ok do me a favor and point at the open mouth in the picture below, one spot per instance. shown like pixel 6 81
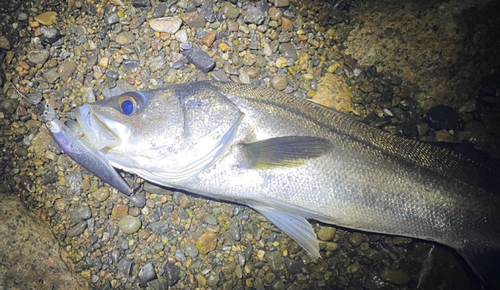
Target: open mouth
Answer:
pixel 94 129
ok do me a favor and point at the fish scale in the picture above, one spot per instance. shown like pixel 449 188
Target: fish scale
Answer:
pixel 292 160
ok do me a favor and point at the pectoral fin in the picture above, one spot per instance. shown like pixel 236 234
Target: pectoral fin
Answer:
pixel 296 227
pixel 286 151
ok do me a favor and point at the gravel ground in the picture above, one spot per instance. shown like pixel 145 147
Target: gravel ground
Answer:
pixel 413 69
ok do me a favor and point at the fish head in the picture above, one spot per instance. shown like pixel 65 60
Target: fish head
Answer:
pixel 170 133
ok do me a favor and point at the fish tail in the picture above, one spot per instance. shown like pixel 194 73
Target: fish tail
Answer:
pixel 486 264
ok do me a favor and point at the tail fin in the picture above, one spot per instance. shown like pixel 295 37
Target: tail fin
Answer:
pixel 486 264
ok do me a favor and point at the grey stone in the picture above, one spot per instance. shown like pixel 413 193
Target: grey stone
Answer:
pixel 279 82
pixel 146 274
pixel 125 37
pixel 66 68
pixel 111 18
pixel 254 15
pixel 274 260
pixel 140 3
pixel 125 265
pixel 172 274
pixel 160 10
pixel 77 229
pixel 80 214
pixel 9 106
pixel 166 24
pixel 207 11
pixel 230 11
pixel 5 42
pixel 129 224
pixel 38 56
pixel 200 59
pixel 293 266
pixel 288 50
pixel 51 75
pixel 192 250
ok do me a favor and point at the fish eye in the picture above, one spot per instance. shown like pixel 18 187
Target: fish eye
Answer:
pixel 127 104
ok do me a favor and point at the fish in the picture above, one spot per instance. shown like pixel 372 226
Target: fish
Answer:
pixel 293 160
pixel 81 151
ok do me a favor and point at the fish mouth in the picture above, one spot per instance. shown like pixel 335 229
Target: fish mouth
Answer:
pixel 96 128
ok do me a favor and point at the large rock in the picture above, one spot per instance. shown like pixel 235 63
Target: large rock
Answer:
pixel 441 49
pixel 29 253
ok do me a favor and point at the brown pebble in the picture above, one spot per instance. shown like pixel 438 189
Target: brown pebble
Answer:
pixel 101 194
pixel 206 243
pixel 286 24
pixel 208 39
pixel 119 211
pixel 134 211
pixel 47 18
pixel 60 205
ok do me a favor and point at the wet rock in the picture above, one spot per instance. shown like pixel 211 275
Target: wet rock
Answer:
pixel 138 199
pixel 50 34
pixel 125 266
pixel 288 50
pixel 192 250
pixel 129 224
pixel 112 18
pixel 398 277
pixel 172 274
pixel 80 214
pixel 373 254
pixel 29 253
pixel 254 15
pixel 279 82
pixel 293 266
pixel 38 56
pixel 158 284
pixel 206 243
pixel 119 211
pixel 355 239
pixel 125 37
pixel 230 11
pixel 66 68
pixel 326 233
pixel 9 106
pixel 77 229
pixel 281 3
pixel 200 59
pixel 140 3
pixel 219 75
pixel 51 75
pixel 274 260
pixel 160 10
pixel 4 43
pixel 194 20
pixel 159 227
pixel 442 117
pixel 210 219
pixel 47 18
pixel 146 274
pixel 166 24
pixel 333 92
pixel 207 11
pixel 101 194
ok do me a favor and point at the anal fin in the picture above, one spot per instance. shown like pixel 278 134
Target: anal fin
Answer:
pixel 295 226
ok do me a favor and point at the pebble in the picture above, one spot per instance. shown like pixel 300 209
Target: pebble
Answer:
pixel 138 199
pixel 119 211
pixel 208 39
pixel 4 43
pixel 230 11
pixel 194 20
pixel 166 24
pixel 398 277
pixel 288 50
pixel 112 18
pixel 77 229
pixel 140 3
pixel 279 82
pixel 125 37
pixel 66 68
pixel 355 239
pixel 212 279
pixel 207 11
pixel 101 194
pixel 38 56
pixel 22 16
pixel 125 266
pixel 9 106
pixel 192 250
pixel 254 15
pixel 146 274
pixel 160 10
pixel 80 214
pixel 274 260
pixel 373 254
pixel 286 24
pixel 47 18
pixel 200 59
pixel 129 224
pixel 172 274
pixel 442 117
pixel 281 3
pixel 294 266
pixel 206 243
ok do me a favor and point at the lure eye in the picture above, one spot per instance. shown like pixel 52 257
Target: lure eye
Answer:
pixel 127 105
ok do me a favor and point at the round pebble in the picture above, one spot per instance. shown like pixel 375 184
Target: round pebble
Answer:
pixel 129 224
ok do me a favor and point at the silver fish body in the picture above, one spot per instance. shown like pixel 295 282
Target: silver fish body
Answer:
pixel 292 160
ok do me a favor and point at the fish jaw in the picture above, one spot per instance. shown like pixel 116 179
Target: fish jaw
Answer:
pixel 99 131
